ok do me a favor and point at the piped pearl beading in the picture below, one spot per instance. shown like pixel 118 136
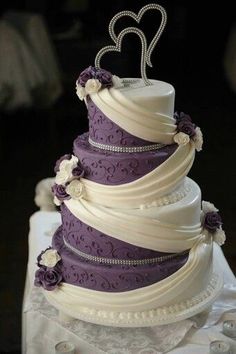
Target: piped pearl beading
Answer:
pixel 161 313
pixel 126 149
pixel 128 262
pixel 172 198
pixel 157 316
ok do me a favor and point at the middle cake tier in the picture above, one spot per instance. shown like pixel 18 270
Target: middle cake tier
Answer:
pixel 89 242
pixel 171 227
pixel 114 168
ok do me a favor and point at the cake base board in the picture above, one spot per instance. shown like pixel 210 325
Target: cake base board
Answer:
pixel 159 316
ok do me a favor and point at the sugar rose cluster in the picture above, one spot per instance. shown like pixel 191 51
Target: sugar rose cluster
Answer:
pixel 68 182
pixel 92 79
pixel 187 131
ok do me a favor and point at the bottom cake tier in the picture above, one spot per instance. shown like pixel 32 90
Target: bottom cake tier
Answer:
pixel 187 291
pixel 86 273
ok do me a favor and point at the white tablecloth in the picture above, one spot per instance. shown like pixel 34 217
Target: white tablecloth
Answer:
pixel 42 328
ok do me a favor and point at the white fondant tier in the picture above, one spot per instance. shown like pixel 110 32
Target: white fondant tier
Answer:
pixel 158 97
pixel 173 227
pixel 145 112
pixel 186 292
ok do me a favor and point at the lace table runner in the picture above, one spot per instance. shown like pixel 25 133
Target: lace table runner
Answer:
pixel 112 340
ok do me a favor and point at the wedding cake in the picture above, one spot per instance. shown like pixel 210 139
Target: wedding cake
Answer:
pixel 135 247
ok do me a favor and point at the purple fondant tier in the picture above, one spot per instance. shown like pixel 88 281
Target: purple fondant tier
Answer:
pixel 103 130
pixel 110 278
pixel 112 168
pixel 93 242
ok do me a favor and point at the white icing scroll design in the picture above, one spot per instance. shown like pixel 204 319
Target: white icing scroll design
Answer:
pixel 145 52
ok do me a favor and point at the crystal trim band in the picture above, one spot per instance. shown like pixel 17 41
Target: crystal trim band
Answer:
pixel 123 261
pixel 125 148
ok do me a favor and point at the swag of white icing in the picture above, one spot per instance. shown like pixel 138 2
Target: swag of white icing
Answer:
pixel 187 130
pixel 212 222
pixel 67 182
pixel 92 79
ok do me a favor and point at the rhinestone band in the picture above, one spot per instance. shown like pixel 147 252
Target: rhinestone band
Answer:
pixel 123 261
pixel 125 148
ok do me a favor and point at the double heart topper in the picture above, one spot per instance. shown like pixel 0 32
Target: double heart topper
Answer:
pixel 146 51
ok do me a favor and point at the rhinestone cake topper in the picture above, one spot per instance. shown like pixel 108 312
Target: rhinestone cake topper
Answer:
pixel 146 52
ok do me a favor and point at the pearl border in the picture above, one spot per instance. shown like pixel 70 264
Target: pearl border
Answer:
pixel 128 262
pixel 126 149
pixel 158 316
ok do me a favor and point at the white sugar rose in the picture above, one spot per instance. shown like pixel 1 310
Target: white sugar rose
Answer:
pixel 219 236
pixel 208 207
pixel 66 167
pixel 75 189
pixel 80 91
pixel 56 201
pixel 62 176
pixel 116 81
pixel 198 139
pixel 73 161
pixel 92 86
pixel 50 258
pixel 181 138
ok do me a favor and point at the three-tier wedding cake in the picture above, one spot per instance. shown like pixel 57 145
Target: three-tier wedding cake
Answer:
pixel 135 246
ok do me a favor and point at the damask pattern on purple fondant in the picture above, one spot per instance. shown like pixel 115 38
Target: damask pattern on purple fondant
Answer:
pixel 103 130
pixel 110 278
pixel 93 242
pixel 112 168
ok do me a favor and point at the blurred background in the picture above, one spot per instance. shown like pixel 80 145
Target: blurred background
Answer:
pixel 44 45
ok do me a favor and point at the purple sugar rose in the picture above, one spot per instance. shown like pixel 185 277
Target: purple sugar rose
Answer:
pixel 187 127
pixel 180 116
pixel 39 276
pixel 105 77
pixel 48 278
pixel 88 73
pixel 102 75
pixel 64 157
pixel 212 221
pixel 78 171
pixel 60 192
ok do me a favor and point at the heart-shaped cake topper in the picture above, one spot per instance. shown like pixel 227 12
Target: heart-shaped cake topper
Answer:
pixel 145 52
pixel 137 18
pixel 117 48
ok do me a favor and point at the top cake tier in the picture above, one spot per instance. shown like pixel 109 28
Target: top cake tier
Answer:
pixel 157 98
pixel 133 115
